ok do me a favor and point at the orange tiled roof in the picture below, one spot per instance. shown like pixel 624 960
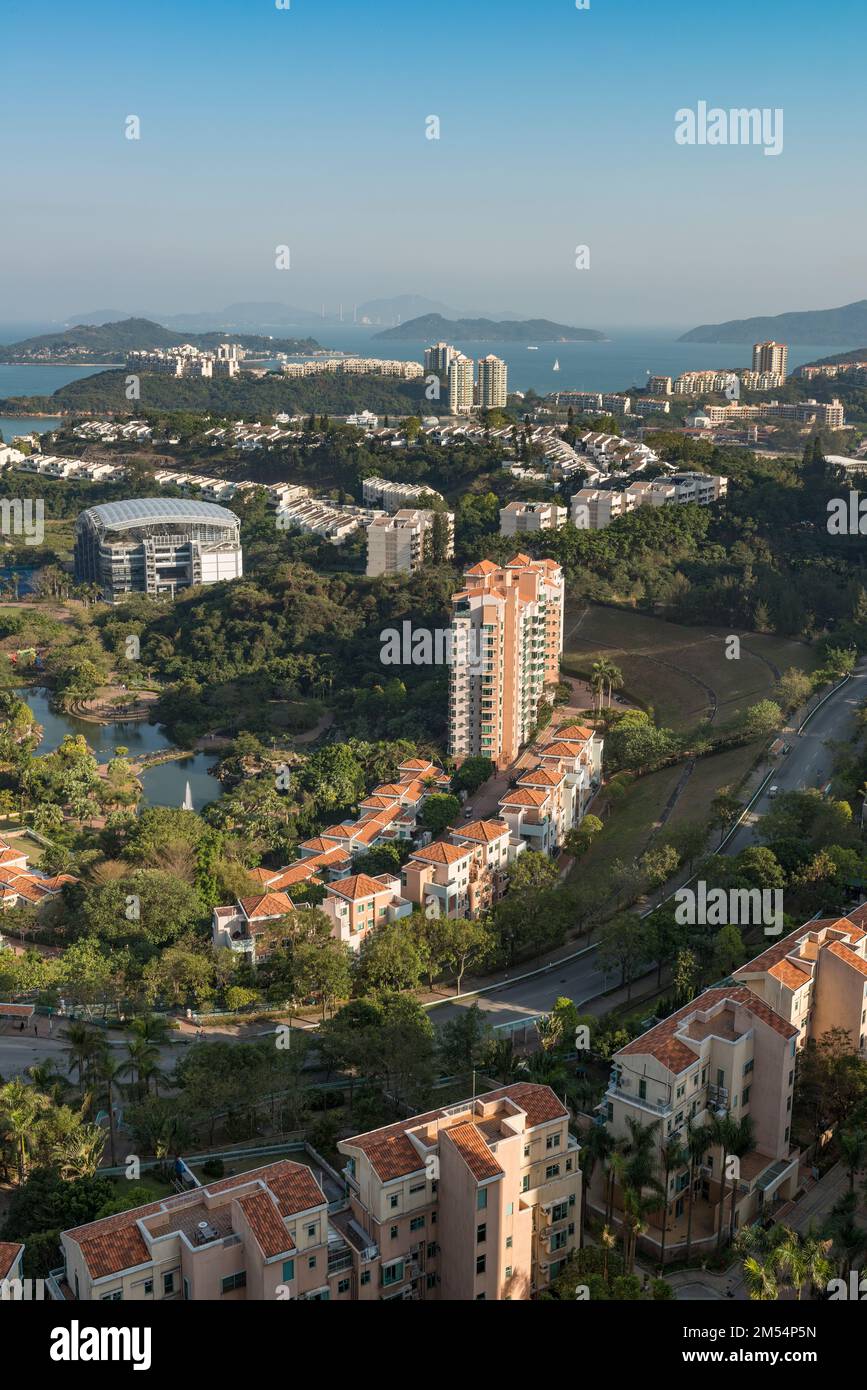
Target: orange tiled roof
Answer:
pixel 574 731
pixel 9 1252
pixel 356 886
pixel 266 905
pixel 483 567
pixel 485 830
pixel 441 853
pixel 474 1151
pixel 525 797
pixel 790 974
pixel 660 1042
pixel 393 1155
pixel 844 953
pixel 264 1221
pixel 560 749
pixel 786 946
pixel 541 777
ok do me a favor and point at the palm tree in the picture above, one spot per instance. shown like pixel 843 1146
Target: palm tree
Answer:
pixel 108 1074
pixel 597 684
pixel 20 1106
pixel 723 1133
pixel 697 1140
pixel 741 1142
pixel 85 1046
pixel 803 1260
pixel 674 1155
pixel 853 1151
pixel 760 1278
pixel 141 1064
pixel 80 1154
pixel 849 1241
pixel 607 1240
pixel 636 1208
pixel 598 1148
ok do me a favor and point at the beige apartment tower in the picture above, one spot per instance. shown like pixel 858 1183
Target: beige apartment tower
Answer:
pixel 507 636
pixel 397 544
pixel 492 382
pixel 460 385
pixel 771 357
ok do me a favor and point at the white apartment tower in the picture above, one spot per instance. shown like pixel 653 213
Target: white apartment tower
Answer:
pixel 771 357
pixel 438 358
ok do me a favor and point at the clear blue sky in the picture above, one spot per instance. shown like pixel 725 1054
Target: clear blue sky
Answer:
pixel 306 127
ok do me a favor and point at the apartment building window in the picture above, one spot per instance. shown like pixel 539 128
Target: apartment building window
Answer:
pixel 704 1076
pixel 394 1232
pixel 510 1209
pixel 748 1066
pixel 481 1199
pixel 560 1211
pixel 311 1232
pixel 508 1271
pixel 419 1187
pixel 393 1273
pixel 525 1183
pixel 234 1281
pixel 787 1134
pixel 148 1287
pixel 481 1233
pixel 393 1202
pixel 553 1141
pixel 431 1281
pixel 720 1077
pixel 680 1091
pixel 508 1242
pixel 168 1283
pixel 365 1276
pixel 311 1262
pixel 526 1150
pixel 745 1098
pixel 343 1286
pixel 417 1223
pixel 116 1296
pixel 431 1249
pixel 791 1076
pixel 481 1263
pixel 552 1171
pixel 288 1270
pixel 642 1090
pixel 789 1103
pixel 558 1240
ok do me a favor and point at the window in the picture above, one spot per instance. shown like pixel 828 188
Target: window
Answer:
pixel 558 1240
pixel 393 1202
pixel 560 1211
pixel 481 1199
pixel 745 1098
pixel 393 1274
pixel 508 1242
pixel 553 1141
pixel 552 1171
pixel 288 1270
pixel 510 1209
pixel 526 1150
pixel 481 1233
pixel 525 1183
pixel 431 1249
pixel 481 1263
pixel 417 1223
pixel 311 1232
pixel 343 1286
pixel 365 1276
pixel 394 1232
pixel 508 1271
pixel 116 1296
pixel 235 1281
pixel 431 1281
pixel 311 1262
pixel 418 1187
pixel 169 1283
pixel 748 1066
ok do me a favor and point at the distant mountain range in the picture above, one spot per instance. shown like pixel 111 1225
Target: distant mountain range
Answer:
pixel 847 324
pixel 432 327
pixel 101 342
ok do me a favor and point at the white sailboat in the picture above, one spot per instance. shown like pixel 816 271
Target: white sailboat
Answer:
pixel 556 366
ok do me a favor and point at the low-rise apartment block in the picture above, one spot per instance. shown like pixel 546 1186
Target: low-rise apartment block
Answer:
pixel 463 874
pixel 391 496
pixel 518 517
pixel 359 903
pixel 551 797
pixel 399 544
pixel 477 1202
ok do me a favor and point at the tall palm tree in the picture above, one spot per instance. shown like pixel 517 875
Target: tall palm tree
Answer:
pixel 598 1148
pixel 849 1241
pixel 20 1106
pixel 742 1141
pixel 853 1151
pixel 141 1062
pixel 723 1133
pixel 673 1156
pixel 697 1141
pixel 803 1260
pixel 108 1077
pixel 85 1045
pixel 760 1277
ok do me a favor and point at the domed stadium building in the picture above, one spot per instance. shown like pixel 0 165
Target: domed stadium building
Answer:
pixel 156 545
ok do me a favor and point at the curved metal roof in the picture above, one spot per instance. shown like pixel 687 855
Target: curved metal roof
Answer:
pixel 144 510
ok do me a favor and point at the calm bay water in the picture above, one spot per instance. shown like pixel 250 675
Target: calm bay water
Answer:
pixel 28 380
pixel 164 785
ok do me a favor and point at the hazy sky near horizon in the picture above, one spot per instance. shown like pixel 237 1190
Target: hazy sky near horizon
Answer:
pixel 306 127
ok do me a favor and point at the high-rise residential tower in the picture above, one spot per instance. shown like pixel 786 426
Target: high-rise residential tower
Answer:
pixel 771 357
pixel 507 636
pixel 460 385
pixel 492 382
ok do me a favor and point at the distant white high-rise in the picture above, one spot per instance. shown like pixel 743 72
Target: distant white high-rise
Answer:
pixel 771 357
pixel 438 358
pixel 492 382
pixel 460 385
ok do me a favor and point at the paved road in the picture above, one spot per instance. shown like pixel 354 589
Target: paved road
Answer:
pixel 809 764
